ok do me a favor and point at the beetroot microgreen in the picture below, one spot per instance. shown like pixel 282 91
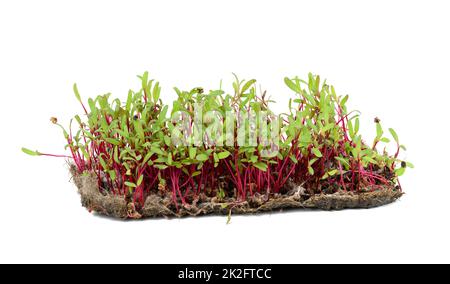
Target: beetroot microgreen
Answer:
pixel 136 149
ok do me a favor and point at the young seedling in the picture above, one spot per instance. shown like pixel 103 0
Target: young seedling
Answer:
pixel 134 150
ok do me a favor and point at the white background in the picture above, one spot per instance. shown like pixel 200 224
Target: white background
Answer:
pixel 390 56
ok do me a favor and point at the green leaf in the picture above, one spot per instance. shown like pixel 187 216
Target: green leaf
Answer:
pixel 312 161
pixel 144 79
pixel 409 165
pixel 103 163
pixel 247 85
pixel 31 153
pixel 85 154
pixel 78 119
pixel 167 141
pixel 379 131
pixel 116 155
pixel 122 133
pixel 400 171
pixel 292 85
pixel 112 141
pixel 169 159
pixel 216 158
pixel 148 157
pixel 156 150
pixel 192 152
pixel 202 157
pixel 179 93
pixel 129 101
pixel 311 171
pixel 77 94
pixel 351 131
pixel 343 161
pixel 223 155
pixel 356 152
pixel 330 174
pixel 370 160
pixel 356 125
pixel 139 130
pixel 161 167
pixel 293 159
pixel 140 180
pixel 130 184
pixel 317 152
pixel 162 115
pixel 197 173
pixel 262 166
pixel 394 134
pixel 156 92
pixel 92 105
pixel 327 128
pixel 112 175
pixel 344 101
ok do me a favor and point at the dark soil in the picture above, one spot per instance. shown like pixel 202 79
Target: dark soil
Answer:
pixel 158 205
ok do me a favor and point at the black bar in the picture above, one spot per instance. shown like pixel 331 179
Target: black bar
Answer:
pixel 222 273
